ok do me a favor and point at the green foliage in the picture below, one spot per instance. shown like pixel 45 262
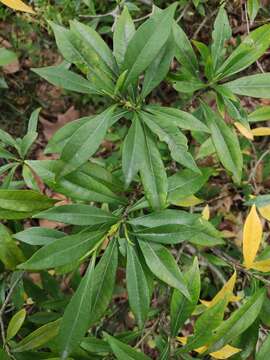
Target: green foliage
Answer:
pixel 121 216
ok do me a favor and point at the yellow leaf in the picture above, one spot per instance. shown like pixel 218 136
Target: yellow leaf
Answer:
pixel 206 212
pixel 189 201
pixel 226 290
pixel 265 212
pixel 261 131
pixel 243 130
pixel 252 236
pixel 262 265
pixel 18 5
pixel 226 352
pixel 183 340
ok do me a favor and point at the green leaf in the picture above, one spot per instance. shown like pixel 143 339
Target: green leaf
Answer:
pixel 6 56
pixel 78 214
pixel 132 150
pixel 64 250
pixel 66 79
pixel 4 355
pixel 238 322
pixel 163 265
pixel 184 52
pixel 205 326
pixel 10 254
pixel 38 235
pixel 153 173
pixel 225 142
pixel 90 39
pixel 147 42
pixel 103 282
pixel 257 86
pixel 252 47
pixel 24 201
pixel 259 201
pixel 84 142
pixel 159 68
pixel 90 183
pixel 33 121
pixel 253 6
pixel 181 308
pixel 76 318
pixel 123 351
pixel 137 286
pixel 15 324
pixel 264 350
pixel 124 30
pixel 176 140
pixel 186 183
pixel 262 113
pixel 222 32
pixel 179 118
pixel 38 338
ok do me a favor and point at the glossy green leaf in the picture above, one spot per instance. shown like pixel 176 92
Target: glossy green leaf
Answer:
pixel 10 253
pixel 181 308
pixel 124 30
pixel 238 322
pixel 132 150
pixel 76 318
pixel 78 214
pixel 38 235
pixel 264 350
pixel 15 324
pixel 123 351
pixel 137 286
pixel 257 86
pixel 64 250
pixel 153 173
pixel 225 142
pixel 147 42
pixel 84 142
pixel 38 338
pixel 163 265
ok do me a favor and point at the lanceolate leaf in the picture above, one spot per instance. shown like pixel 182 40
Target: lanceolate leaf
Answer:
pixel 10 254
pixel 147 42
pixel 257 86
pixel 251 48
pixel 137 286
pixel 78 214
pixel 264 349
pixel 64 250
pixel 153 173
pixel 252 236
pixel 225 142
pixel 123 33
pixel 103 282
pixel 76 319
pixel 18 5
pixel 132 152
pixel 163 266
pixel 84 142
pixel 15 324
pixel 123 351
pixel 38 235
pixel 181 308
pixel 176 140
pixel 238 322
pixel 222 32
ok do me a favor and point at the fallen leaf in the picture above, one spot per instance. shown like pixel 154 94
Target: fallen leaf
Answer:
pixel 18 5
pixel 49 128
pixel 252 236
pixel 263 265
pixel 243 130
pixel 206 212
pixel 261 131
pixel 226 352
pixel 265 212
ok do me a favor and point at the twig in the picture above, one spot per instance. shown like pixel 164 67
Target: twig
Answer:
pixel 213 13
pixel 183 12
pixel 112 13
pixel 2 310
pixel 150 331
pixel 253 172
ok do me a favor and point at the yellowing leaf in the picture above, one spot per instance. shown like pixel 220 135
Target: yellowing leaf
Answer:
pixel 183 340
pixel 18 5
pixel 243 130
pixel 227 290
pixel 226 352
pixel 189 201
pixel 263 265
pixel 252 236
pixel 206 212
pixel 265 212
pixel 261 131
